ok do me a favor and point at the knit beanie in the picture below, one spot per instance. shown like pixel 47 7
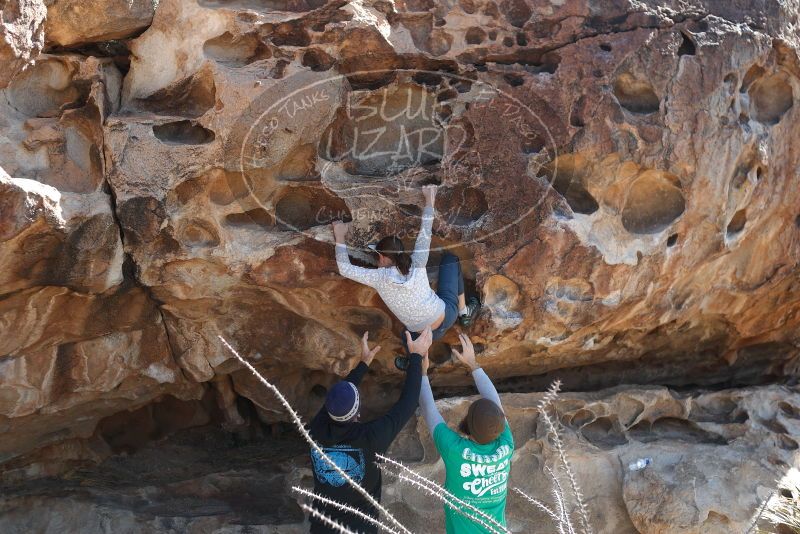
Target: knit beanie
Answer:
pixel 485 421
pixel 343 401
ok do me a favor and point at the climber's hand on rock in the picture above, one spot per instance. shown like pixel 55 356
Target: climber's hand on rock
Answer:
pixel 467 354
pixel 366 354
pixel 429 192
pixel 422 343
pixel 340 230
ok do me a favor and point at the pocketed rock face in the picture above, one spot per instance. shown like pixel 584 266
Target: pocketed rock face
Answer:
pixel 716 456
pixel 620 183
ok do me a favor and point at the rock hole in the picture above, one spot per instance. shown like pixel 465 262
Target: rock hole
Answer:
pixel 235 51
pixel 789 410
pixel 317 60
pixel 290 34
pixel 753 73
pixel 475 35
pixel 521 39
pixel 604 433
pixel 605 47
pixel 532 144
pixel 462 206
pixel 637 96
pixel 687 47
pixel 675 429
pixel 439 353
pixel 774 426
pixel 514 80
pixel 428 79
pixel 730 85
pixel 672 240
pixel 446 94
pixel 225 187
pixel 255 218
pixel 581 418
pixel 182 133
pixel 717 409
pixel 737 223
pixel 771 98
pixel 797 221
pixel 517 12
pixel 786 443
pixel 576 117
pixel 198 233
pixel 759 172
pixel 301 208
pixel 319 391
pixel 567 175
pixel 492 34
pixel 508 41
pixel 44 89
pixel 189 97
pixel 653 203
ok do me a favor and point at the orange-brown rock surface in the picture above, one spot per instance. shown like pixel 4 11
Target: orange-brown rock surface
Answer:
pixel 619 178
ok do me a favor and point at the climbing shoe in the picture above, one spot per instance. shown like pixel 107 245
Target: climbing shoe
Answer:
pixel 473 307
pixel 401 362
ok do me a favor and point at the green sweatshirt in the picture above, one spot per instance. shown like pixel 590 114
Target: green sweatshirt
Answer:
pixel 477 474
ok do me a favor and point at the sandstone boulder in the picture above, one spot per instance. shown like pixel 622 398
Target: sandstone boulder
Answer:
pixel 72 22
pixel 619 183
pixel 21 35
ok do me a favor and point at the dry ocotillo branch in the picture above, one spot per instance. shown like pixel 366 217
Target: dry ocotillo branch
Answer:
pixel 298 423
pixel 441 490
pixel 335 525
pixel 345 508
pixel 442 497
pixel 543 507
pixel 544 404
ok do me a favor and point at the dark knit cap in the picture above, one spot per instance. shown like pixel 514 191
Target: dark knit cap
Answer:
pixel 485 421
pixel 343 402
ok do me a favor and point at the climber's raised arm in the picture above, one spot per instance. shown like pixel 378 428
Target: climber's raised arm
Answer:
pixel 426 403
pixel 419 258
pixel 358 372
pixel 482 381
pixel 368 277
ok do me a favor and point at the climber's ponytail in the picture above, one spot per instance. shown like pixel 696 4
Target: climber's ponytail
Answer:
pixel 392 247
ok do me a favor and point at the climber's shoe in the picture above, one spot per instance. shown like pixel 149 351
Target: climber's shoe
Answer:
pixel 473 307
pixel 401 362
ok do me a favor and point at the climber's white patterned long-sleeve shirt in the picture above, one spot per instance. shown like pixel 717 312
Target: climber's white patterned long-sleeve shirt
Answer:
pixel 410 296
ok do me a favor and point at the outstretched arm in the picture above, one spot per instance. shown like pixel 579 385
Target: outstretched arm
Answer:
pixel 422 247
pixel 358 372
pixel 428 406
pixel 385 429
pixel 482 381
pixel 364 276
pixel 367 355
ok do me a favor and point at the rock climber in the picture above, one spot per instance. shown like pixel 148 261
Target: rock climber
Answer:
pixel 353 444
pixel 478 460
pixel 401 279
